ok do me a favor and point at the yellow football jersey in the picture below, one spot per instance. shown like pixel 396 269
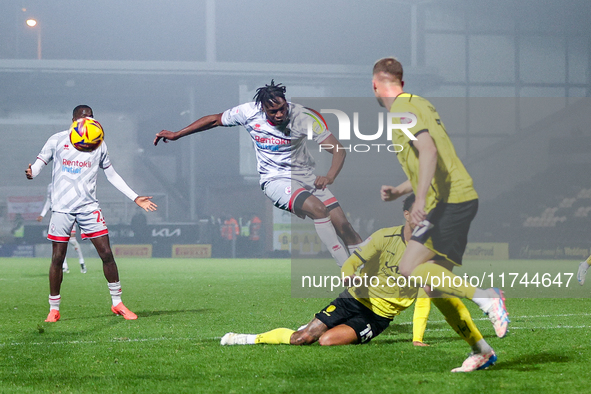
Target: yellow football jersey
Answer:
pixel 451 182
pixel 379 276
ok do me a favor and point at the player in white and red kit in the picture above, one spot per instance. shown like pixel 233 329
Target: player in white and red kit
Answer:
pixel 73 240
pixel 73 200
pixel 279 130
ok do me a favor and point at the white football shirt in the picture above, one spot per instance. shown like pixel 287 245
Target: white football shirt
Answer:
pixel 279 154
pixel 73 186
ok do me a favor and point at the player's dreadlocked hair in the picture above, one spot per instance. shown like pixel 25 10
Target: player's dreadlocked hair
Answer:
pixel 408 201
pixel 269 93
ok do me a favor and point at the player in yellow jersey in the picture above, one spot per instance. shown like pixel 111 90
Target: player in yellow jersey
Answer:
pixel 363 311
pixel 446 202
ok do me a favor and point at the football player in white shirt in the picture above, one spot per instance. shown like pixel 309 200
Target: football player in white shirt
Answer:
pixel 279 130
pixel 73 200
pixel 73 240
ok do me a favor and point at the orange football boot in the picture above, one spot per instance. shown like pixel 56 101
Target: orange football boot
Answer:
pixel 122 310
pixel 54 315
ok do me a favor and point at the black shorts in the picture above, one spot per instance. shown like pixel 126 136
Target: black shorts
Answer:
pixel 348 311
pixel 448 235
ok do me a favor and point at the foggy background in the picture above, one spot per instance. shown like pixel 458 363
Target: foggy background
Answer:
pixel 144 66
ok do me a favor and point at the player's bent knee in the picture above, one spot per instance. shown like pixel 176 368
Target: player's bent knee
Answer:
pixel 326 340
pixel 314 208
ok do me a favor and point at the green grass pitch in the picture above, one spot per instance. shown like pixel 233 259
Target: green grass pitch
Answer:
pixel 185 306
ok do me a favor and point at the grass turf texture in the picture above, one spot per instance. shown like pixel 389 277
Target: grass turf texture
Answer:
pixel 185 306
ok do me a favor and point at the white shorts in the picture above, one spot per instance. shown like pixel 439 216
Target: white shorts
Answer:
pixel 92 225
pixel 290 194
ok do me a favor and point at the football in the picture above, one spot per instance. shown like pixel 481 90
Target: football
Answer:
pixel 86 134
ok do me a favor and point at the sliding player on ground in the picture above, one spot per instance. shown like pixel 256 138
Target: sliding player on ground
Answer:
pixel 362 313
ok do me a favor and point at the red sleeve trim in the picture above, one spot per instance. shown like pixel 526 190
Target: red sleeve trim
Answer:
pixel 325 138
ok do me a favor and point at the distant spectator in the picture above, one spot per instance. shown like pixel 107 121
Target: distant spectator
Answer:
pixel 244 227
pixel 256 248
pixel 230 230
pixel 255 228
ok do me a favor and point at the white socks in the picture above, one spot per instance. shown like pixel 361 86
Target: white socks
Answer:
pixel 328 236
pixel 54 302
pixel 481 347
pixel 484 298
pixel 115 290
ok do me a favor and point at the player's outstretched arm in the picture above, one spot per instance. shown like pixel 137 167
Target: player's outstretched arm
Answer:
pixel 391 193
pixel 201 124
pixel 146 203
pixel 338 160
pixel 115 179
